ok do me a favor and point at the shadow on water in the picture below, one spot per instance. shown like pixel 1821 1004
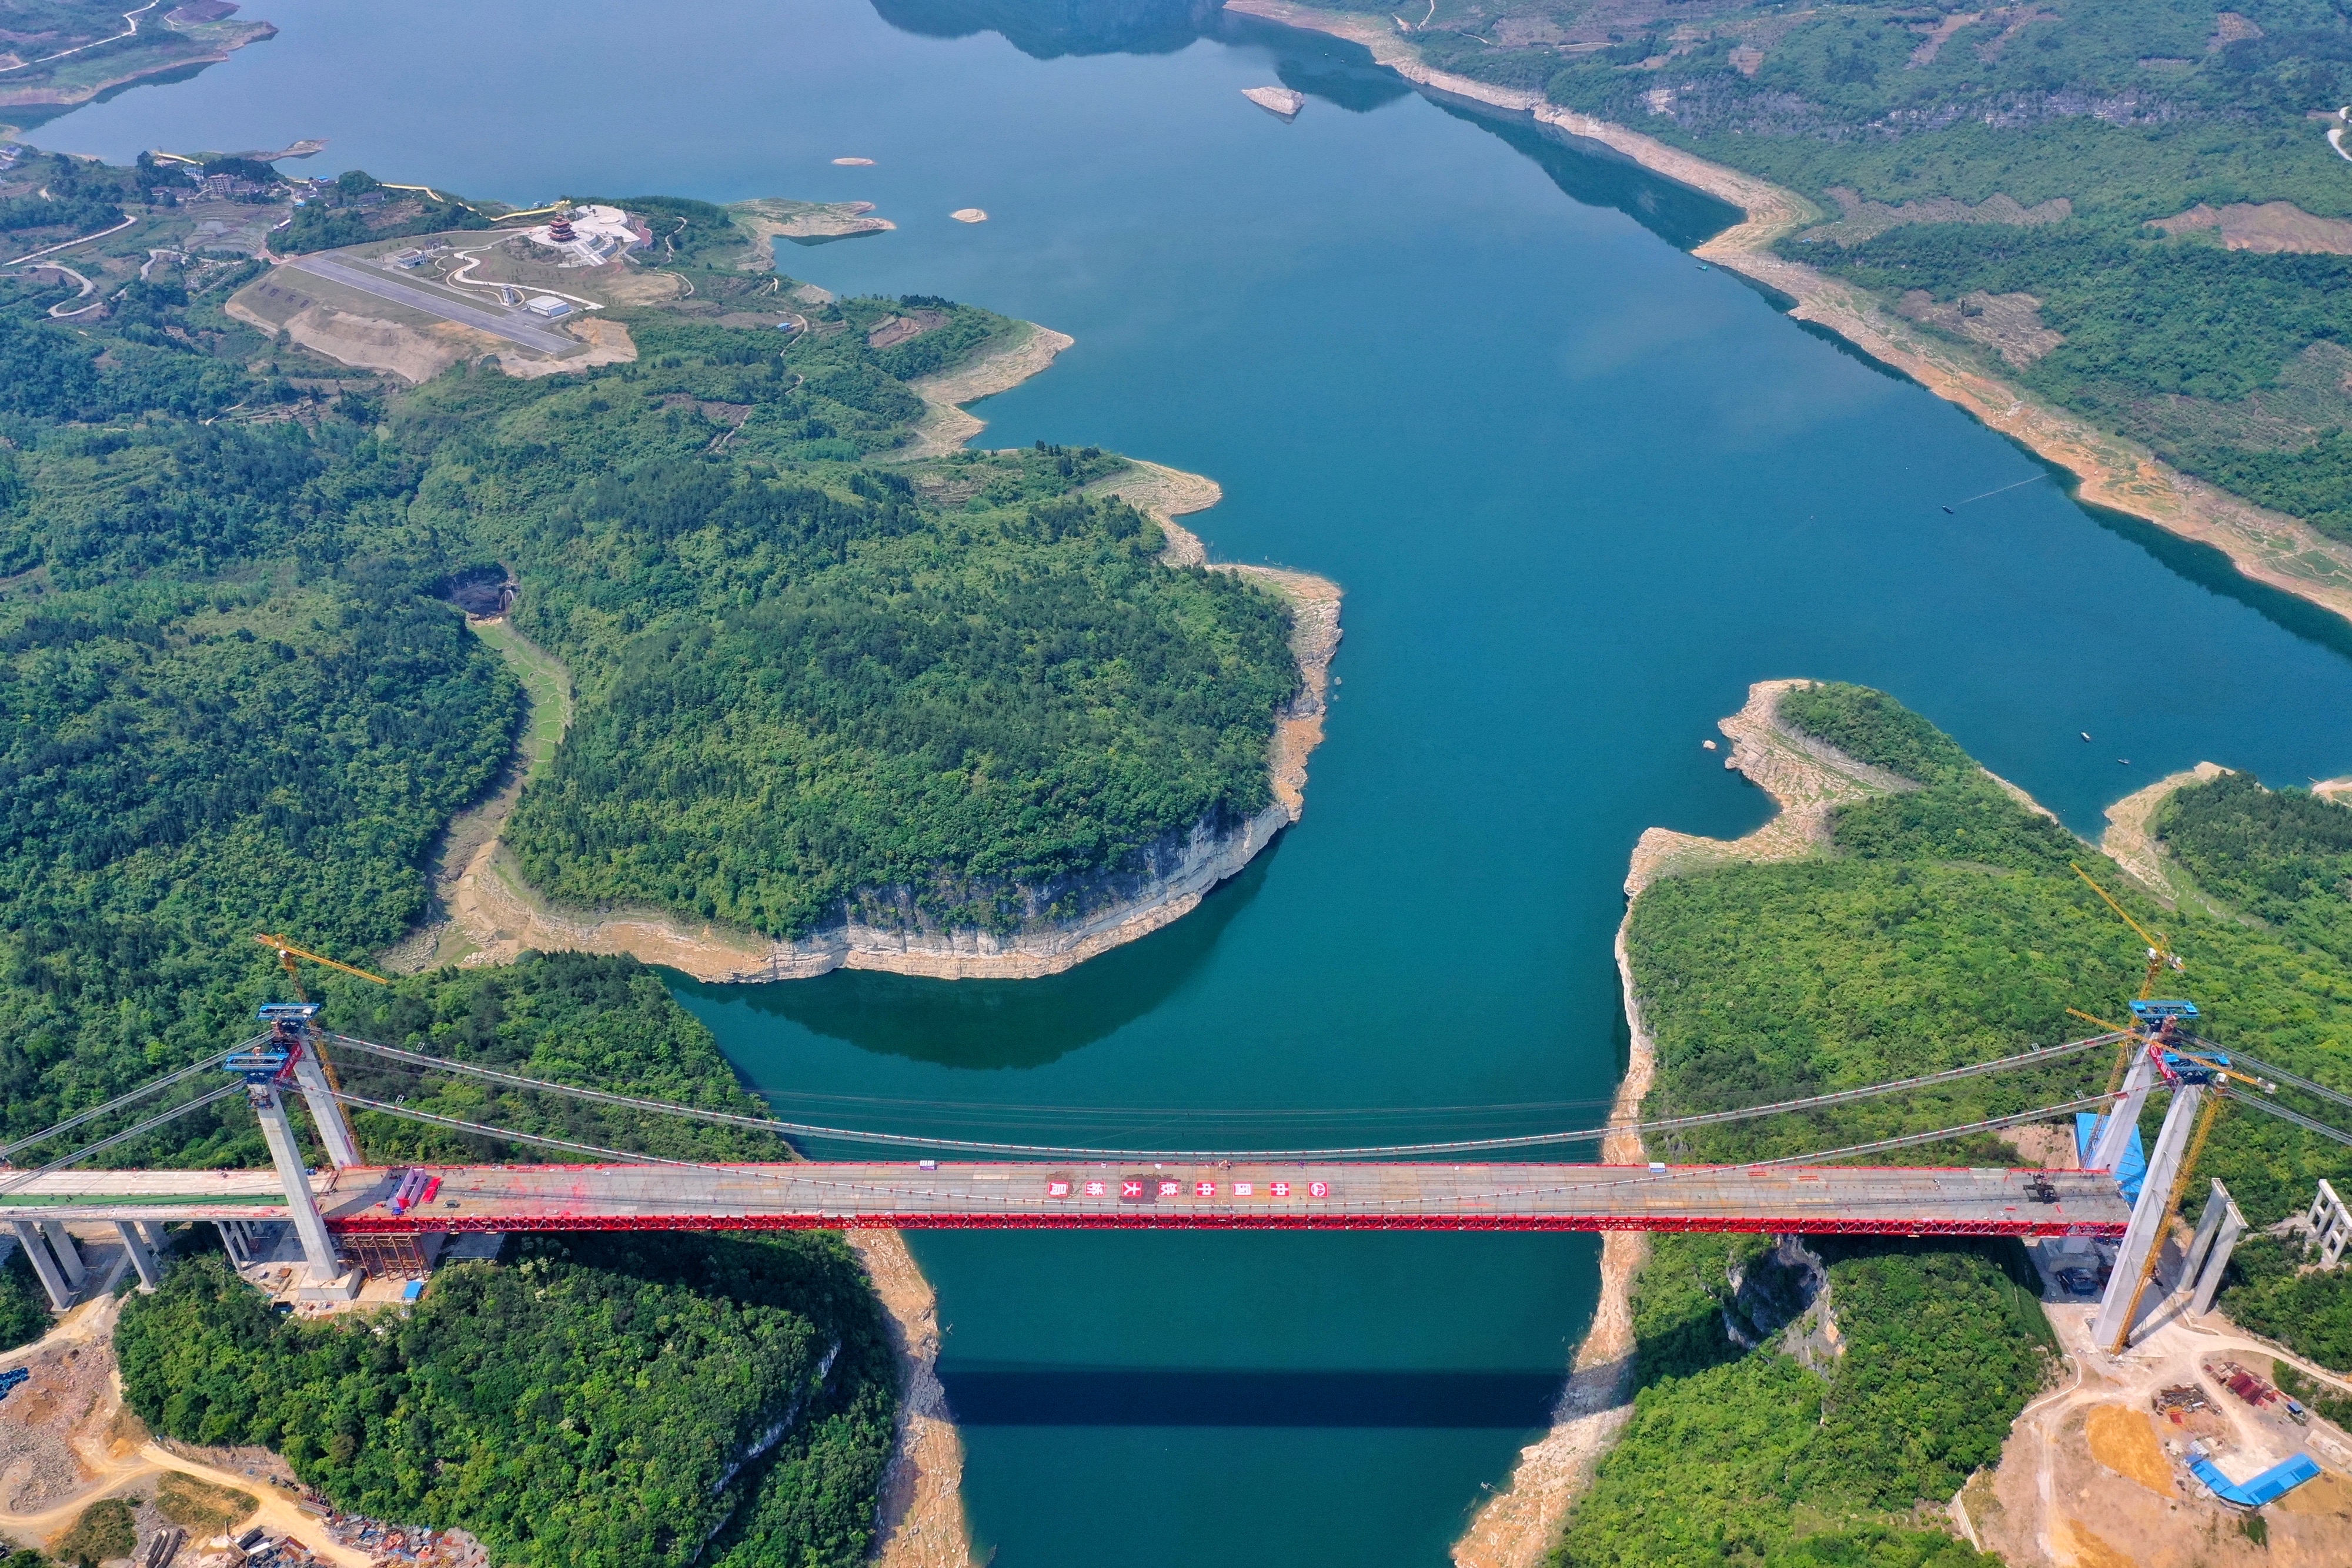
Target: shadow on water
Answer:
pixel 2210 569
pixel 1004 1023
pixel 1333 70
pixel 1152 1396
pixel 1599 176
pixel 1048 29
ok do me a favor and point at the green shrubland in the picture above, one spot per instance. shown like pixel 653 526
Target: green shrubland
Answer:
pixel 106 1529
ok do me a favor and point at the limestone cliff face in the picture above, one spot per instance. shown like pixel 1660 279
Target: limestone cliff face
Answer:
pixel 1060 924
pixel 1161 885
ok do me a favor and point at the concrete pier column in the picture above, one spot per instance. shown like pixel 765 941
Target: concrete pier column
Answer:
pixel 52 1283
pixel 2209 1257
pixel 151 1272
pixel 69 1258
pixel 150 1233
pixel 232 1236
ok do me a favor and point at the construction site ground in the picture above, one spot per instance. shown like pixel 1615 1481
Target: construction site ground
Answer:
pixel 2095 1477
pixel 66 1441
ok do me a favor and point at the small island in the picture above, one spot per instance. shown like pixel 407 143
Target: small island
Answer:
pixel 809 222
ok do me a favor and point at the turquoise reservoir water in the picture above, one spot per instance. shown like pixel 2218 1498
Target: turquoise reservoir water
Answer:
pixel 1581 492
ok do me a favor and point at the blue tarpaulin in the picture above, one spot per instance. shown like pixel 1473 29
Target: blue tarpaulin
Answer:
pixel 2271 1485
pixel 2132 1167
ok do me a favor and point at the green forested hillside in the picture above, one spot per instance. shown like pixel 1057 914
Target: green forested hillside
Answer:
pixel 1753 1459
pixel 224 704
pixel 2283 856
pixel 1943 927
pixel 233 699
pixel 618 1400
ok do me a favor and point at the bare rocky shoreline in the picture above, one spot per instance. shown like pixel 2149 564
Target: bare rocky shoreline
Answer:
pixel 1808 779
pixel 2111 471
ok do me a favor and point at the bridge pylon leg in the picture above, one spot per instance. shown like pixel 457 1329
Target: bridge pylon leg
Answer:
pixel 2119 1306
pixel 45 1267
pixel 2113 1133
pixel 326 1110
pixel 327 1273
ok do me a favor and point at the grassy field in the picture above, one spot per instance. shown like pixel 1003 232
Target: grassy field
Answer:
pixel 547 686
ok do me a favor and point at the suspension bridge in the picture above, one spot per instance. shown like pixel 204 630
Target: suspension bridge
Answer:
pixel 349 1211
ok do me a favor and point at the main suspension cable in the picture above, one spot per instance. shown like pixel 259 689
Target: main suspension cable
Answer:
pixel 8 1151
pixel 62 1161
pixel 2297 1117
pixel 1456 1146
pixel 479 1128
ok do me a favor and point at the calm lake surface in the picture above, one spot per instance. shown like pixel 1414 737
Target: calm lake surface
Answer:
pixel 1581 492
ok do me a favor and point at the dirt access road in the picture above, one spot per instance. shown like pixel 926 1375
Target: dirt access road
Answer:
pixel 2093 1478
pixel 70 1442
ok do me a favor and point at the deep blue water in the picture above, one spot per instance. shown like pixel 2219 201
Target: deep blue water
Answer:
pixel 1581 492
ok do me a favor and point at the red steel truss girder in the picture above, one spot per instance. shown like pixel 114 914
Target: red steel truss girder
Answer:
pixel 1809 1225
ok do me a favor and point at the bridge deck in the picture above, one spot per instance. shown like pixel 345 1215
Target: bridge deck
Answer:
pixel 1929 1201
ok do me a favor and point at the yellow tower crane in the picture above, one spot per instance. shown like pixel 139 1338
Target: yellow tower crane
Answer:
pixel 2160 957
pixel 287 953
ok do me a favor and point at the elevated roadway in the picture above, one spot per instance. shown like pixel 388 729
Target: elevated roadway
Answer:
pixel 1228 1195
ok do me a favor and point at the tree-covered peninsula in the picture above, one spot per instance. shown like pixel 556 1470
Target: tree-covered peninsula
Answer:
pixel 1940 923
pixel 810 691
